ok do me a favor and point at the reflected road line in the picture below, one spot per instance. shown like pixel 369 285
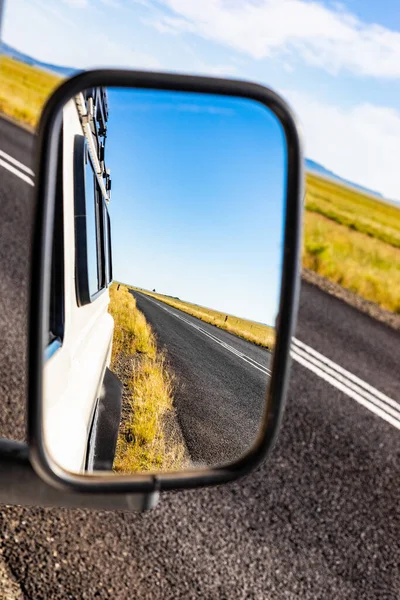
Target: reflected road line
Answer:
pixel 351 385
pixel 215 338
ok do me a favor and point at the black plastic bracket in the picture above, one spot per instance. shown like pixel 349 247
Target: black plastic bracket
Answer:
pixel 45 199
pixel 107 421
pixel 20 485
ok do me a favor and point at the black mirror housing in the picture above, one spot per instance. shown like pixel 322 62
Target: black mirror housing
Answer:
pixel 48 139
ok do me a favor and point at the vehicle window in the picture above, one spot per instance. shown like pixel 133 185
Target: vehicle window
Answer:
pixel 92 246
pixel 101 242
pixel 107 231
pixel 56 315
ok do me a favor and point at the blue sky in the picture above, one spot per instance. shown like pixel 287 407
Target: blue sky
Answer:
pixel 337 63
pixel 197 206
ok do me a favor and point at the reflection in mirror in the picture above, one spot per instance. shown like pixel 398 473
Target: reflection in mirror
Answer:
pixel 165 283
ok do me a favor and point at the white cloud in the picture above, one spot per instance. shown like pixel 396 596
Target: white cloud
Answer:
pixel 77 3
pixel 331 38
pixel 191 61
pixel 218 70
pixel 117 55
pixel 48 34
pixel 360 143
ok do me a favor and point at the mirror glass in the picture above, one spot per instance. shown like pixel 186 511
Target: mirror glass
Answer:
pixel 165 280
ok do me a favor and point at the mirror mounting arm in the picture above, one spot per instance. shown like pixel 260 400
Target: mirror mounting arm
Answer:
pixel 20 485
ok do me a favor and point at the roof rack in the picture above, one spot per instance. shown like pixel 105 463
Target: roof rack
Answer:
pixel 92 105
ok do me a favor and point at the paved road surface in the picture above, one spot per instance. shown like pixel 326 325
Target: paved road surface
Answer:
pixel 221 382
pixel 319 520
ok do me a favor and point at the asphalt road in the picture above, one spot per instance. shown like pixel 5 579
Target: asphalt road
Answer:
pixel 220 383
pixel 320 519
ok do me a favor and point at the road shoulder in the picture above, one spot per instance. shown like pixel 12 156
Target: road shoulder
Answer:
pixel 9 588
pixel 365 306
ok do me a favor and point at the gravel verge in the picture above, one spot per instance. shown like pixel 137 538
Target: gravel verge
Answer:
pixel 365 306
pixel 9 588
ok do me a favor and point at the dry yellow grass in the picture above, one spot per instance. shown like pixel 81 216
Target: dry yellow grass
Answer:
pixel 353 240
pixel 144 444
pixel 132 333
pixel 358 262
pixel 24 90
pixel 354 209
pixel 259 334
pixel 145 441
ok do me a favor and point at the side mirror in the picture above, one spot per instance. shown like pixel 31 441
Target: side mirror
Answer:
pixel 133 390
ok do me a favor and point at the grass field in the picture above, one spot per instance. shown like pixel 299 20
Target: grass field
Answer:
pixel 362 264
pixel 24 90
pixel 350 237
pixel 353 209
pixel 145 441
pixel 259 334
pixel 354 240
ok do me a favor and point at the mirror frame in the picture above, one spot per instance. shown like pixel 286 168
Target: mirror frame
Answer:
pixel 46 168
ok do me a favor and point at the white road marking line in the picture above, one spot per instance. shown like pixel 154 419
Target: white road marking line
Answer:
pixel 370 400
pixel 224 344
pixel 351 385
pixel 347 384
pixel 346 373
pixel 12 169
pixel 16 162
pixel 216 339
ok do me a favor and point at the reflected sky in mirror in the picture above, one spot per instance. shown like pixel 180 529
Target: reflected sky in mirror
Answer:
pixel 198 185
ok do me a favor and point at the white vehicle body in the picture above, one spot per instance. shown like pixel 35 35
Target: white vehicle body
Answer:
pixel 77 358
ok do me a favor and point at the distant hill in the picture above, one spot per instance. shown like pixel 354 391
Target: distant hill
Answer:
pixel 29 60
pixel 318 169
